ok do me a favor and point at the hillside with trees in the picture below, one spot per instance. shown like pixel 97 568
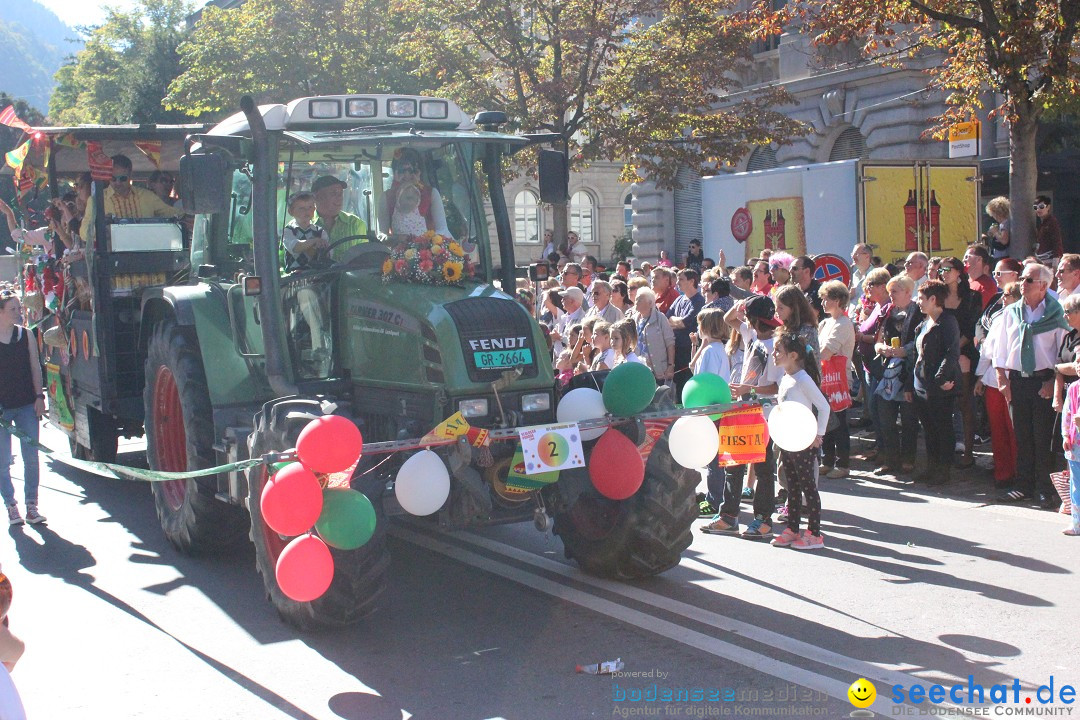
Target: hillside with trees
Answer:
pixel 34 43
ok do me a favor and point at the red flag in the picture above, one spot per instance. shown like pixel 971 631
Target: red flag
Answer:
pixel 653 430
pixel 100 163
pixel 8 117
pixel 151 149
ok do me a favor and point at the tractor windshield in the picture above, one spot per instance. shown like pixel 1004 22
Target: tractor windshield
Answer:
pixel 397 190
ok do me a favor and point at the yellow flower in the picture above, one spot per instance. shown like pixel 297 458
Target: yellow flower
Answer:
pixel 436 239
pixel 410 253
pixel 456 249
pixel 430 234
pixel 452 271
pixel 387 266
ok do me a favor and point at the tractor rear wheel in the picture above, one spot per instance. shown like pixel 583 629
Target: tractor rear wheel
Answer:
pixel 359 575
pixel 179 437
pixel 638 537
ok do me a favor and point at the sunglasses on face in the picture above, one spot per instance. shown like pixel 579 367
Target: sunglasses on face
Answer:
pixel 944 270
pixel 999 273
pixel 121 178
pixel 1028 279
pixel 1039 206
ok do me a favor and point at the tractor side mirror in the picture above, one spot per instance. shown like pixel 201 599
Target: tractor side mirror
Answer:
pixel 204 183
pixel 554 177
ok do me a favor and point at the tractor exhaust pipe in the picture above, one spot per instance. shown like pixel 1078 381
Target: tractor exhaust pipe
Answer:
pixel 278 370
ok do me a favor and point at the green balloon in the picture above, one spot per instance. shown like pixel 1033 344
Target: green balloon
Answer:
pixel 628 389
pixel 706 389
pixel 347 520
pixel 277 466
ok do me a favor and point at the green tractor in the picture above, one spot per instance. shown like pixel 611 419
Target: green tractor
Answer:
pixel 242 355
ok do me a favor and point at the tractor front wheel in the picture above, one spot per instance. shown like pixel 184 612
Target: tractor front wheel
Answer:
pixel 179 437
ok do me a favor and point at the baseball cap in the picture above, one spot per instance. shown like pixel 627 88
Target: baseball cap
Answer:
pixel 327 181
pixel 575 293
pixel 763 309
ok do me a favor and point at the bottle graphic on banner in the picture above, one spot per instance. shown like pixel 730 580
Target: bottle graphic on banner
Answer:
pixel 911 221
pixel 780 231
pixel 934 226
pixel 768 230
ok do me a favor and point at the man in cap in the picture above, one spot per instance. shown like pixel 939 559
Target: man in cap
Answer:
pixel 573 300
pixel 329 195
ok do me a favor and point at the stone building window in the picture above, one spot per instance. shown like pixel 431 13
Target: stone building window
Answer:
pixel 628 211
pixel 528 220
pixel 583 216
pixel 849 145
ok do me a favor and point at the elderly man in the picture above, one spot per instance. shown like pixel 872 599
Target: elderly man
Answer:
pixel 977 263
pixel 861 257
pixel 124 200
pixel 802 272
pixel 573 298
pixel 602 307
pixel 656 340
pixel 663 284
pixel 915 268
pixel 683 318
pixel 1025 346
pixel 1068 275
pixel 329 195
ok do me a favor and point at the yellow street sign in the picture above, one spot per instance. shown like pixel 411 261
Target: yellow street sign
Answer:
pixel 964 131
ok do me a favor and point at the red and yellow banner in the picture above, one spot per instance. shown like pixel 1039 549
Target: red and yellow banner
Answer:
pixel 744 436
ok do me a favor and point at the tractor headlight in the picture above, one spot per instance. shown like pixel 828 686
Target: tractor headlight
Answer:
pixel 536 402
pixel 476 407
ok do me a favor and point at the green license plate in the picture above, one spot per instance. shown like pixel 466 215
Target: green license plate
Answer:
pixel 502 359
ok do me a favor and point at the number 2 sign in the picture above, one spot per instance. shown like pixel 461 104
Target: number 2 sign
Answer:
pixel 552 447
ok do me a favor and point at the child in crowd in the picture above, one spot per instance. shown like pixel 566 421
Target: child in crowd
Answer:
pixel 755 319
pixel 800 384
pixel 1070 437
pixel 624 342
pixel 302 238
pixel 711 356
pixel 565 366
pixel 605 356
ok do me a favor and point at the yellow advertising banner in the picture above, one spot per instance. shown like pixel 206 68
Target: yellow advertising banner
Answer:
pixel 778 224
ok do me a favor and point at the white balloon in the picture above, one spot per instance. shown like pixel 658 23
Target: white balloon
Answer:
pixel 694 441
pixel 423 483
pixel 582 404
pixel 792 426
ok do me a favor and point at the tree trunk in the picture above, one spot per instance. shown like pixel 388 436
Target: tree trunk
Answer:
pixel 559 224
pixel 1023 178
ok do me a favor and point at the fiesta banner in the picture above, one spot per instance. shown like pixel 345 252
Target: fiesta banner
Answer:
pixel 744 436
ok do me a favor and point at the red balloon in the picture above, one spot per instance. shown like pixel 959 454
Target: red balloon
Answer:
pixel 305 569
pixel 330 444
pixel 615 466
pixel 291 500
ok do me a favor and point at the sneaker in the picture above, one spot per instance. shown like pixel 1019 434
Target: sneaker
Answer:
pixel 884 470
pixel 786 538
pixel 781 514
pixel 837 472
pixel 806 541
pixel 33 516
pixel 758 529
pixel 14 518
pixel 748 493
pixel 707 509
pixel 824 469
pixel 1071 531
pixel 722 525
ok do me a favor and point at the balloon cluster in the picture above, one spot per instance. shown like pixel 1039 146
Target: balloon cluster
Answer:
pixel 615 465
pixel 294 501
pixel 694 440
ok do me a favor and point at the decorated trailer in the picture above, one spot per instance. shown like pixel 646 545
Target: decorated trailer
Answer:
pixel 401 335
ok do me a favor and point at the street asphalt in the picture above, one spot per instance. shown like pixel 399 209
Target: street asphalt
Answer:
pixel 915 586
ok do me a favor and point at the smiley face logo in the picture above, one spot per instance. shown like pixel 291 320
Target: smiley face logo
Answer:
pixel 862 693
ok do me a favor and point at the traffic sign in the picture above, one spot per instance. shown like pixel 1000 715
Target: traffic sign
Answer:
pixel 831 267
pixel 742 224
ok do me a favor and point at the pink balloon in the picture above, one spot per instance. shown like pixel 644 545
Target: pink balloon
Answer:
pixel 615 466
pixel 330 444
pixel 305 569
pixel 291 500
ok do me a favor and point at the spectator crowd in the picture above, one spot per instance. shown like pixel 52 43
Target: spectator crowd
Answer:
pixel 966 351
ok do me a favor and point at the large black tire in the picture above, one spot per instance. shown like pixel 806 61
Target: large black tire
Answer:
pixel 359 575
pixel 179 436
pixel 641 536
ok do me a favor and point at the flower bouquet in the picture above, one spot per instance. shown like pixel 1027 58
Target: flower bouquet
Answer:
pixel 430 259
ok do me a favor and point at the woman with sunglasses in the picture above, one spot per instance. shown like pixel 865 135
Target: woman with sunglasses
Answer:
pixel 1048 244
pixel 408 172
pixel 965 305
